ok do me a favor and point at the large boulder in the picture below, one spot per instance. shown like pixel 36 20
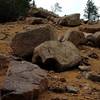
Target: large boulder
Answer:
pixel 90 28
pixel 35 20
pixel 97 39
pixel 70 20
pixel 24 43
pixel 89 39
pixel 24 81
pixel 76 37
pixel 57 56
pixel 42 13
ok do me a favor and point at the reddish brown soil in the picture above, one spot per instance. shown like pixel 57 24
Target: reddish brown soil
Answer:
pixel 88 90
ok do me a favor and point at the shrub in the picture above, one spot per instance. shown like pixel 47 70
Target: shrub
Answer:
pixel 12 9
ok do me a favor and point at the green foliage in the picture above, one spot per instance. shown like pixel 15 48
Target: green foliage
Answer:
pixel 12 9
pixel 91 11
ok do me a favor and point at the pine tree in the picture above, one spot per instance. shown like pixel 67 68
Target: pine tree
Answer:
pixel 12 9
pixel 91 11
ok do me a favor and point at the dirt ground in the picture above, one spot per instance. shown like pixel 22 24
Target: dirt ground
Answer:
pixel 88 90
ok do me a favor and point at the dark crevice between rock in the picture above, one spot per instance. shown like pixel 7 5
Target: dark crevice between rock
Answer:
pixel 28 57
pixel 4 94
pixel 85 61
pixel 51 64
pixel 11 95
pixel 25 57
pixel 70 68
pixel 38 61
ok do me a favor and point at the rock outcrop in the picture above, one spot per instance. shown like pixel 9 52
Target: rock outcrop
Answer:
pixel 93 39
pixel 90 28
pixel 35 20
pixel 24 43
pixel 57 56
pixel 97 39
pixel 76 37
pixel 42 13
pixel 89 39
pixel 24 81
pixel 70 20
pixel 92 76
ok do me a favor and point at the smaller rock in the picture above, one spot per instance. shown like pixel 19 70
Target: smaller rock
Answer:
pixel 41 13
pixel 93 55
pixel 97 39
pixel 85 61
pixel 86 74
pixel 58 88
pixel 57 56
pixel 70 20
pixel 90 28
pixel 4 61
pixel 91 22
pixel 84 68
pixel 57 85
pixel 75 36
pixel 35 20
pixel 86 87
pixel 92 76
pixel 89 39
pixel 24 81
pixel 72 89
pixel 87 34
pixel 23 43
